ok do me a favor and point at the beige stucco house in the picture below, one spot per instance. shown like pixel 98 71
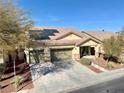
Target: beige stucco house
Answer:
pixel 64 43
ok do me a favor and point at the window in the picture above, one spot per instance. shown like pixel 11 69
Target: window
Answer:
pixel 87 50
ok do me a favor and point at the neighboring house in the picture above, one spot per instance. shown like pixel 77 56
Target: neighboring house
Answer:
pixel 64 43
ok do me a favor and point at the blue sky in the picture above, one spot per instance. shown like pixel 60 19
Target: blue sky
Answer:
pixel 80 14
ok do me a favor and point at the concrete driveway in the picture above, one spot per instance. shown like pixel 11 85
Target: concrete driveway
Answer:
pixel 66 75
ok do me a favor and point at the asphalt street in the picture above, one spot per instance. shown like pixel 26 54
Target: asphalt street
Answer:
pixel 113 86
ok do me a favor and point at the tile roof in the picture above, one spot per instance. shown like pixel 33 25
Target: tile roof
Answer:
pixel 57 33
pixel 101 35
pixel 60 42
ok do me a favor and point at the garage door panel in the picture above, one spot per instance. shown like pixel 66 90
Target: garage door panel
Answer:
pixel 61 54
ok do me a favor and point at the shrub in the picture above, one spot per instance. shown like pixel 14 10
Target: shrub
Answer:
pixel 18 80
pixel 109 65
pixel 46 58
pixel 85 61
pixel 2 68
pixel 122 60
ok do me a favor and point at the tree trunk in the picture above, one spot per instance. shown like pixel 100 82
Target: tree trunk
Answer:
pixel 14 67
pixel 108 59
pixel 1 83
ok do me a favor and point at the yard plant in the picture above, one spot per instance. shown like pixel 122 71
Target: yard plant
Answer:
pixel 18 80
pixel 85 61
pixel 109 65
pixel 113 48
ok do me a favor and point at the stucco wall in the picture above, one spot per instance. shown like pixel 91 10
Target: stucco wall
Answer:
pixel 1 60
pixel 76 53
pixel 71 37
pixel 90 43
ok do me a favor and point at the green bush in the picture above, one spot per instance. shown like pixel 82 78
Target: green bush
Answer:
pixel 122 60
pixel 109 65
pixel 85 61
pixel 18 80
pixel 2 67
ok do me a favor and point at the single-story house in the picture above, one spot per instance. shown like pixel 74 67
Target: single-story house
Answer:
pixel 65 43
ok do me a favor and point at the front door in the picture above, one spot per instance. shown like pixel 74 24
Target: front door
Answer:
pixel 92 51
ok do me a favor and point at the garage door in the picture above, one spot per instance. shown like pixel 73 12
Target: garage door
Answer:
pixel 61 54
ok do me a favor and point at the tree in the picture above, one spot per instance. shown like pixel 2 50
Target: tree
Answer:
pixel 113 46
pixel 14 27
pixel 121 33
